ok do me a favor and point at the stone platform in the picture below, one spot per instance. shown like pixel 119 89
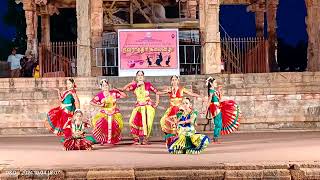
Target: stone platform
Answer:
pixel 260 155
pixel 268 101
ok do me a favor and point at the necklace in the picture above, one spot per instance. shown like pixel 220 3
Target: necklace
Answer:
pixel 174 91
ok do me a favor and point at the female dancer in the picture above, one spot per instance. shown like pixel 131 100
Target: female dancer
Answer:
pixel 58 116
pixel 226 114
pixel 77 140
pixel 187 141
pixel 142 116
pixel 176 94
pixel 108 122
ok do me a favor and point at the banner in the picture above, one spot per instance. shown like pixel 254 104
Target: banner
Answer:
pixel 155 51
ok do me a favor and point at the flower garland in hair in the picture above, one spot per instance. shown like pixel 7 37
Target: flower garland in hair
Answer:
pixel 78 111
pixel 208 80
pixel 101 82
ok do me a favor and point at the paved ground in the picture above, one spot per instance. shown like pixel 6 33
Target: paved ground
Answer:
pixel 46 152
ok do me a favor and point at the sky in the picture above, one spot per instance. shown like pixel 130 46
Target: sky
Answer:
pixel 5 31
pixel 290 21
pixel 236 21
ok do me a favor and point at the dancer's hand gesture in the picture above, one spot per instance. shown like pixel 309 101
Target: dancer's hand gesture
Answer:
pixel 156 104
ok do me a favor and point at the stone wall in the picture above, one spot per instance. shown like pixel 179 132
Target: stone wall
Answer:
pixel 4 69
pixel 267 101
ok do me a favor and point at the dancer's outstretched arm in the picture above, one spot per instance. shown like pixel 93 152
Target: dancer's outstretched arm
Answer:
pixel 127 87
pixel 122 94
pixel 76 101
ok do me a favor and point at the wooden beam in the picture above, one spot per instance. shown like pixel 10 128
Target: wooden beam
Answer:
pixel 131 12
pixel 180 25
pixel 110 9
pixel 137 4
pixel 116 0
pixel 236 2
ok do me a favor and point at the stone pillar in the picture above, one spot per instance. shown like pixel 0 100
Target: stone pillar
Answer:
pixel 96 35
pixel 84 38
pixel 272 33
pixel 183 9
pixel 259 17
pixel 31 21
pixel 192 9
pixel 259 9
pixel 45 29
pixel 313 30
pixel 210 36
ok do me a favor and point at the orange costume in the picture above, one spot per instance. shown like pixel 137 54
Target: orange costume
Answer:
pixel 168 125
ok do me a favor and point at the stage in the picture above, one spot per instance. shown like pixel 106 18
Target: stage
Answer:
pixel 283 151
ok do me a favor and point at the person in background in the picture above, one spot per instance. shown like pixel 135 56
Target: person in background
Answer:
pixel 36 70
pixel 14 60
pixel 27 64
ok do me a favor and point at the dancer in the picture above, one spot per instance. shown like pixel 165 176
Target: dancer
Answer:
pixel 225 114
pixel 187 141
pixel 77 139
pixel 142 116
pixel 176 94
pixel 58 116
pixel 108 122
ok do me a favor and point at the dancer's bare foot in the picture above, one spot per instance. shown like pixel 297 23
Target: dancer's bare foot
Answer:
pixel 216 141
pixel 145 141
pixel 136 141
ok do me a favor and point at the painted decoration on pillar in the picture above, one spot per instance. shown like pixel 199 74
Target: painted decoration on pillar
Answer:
pixel 156 51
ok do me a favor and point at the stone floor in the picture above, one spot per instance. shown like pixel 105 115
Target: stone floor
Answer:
pixel 258 148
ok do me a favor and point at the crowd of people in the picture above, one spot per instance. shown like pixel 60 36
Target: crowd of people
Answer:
pixel 178 122
pixel 23 65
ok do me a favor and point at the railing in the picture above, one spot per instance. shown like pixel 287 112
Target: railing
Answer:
pixel 190 58
pixel 189 55
pixel 244 55
pixel 240 55
pixel 107 59
pixel 58 59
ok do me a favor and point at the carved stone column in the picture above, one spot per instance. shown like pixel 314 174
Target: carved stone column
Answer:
pixel 192 8
pixel 313 29
pixel 84 38
pixel 259 9
pixel 272 33
pixel 96 35
pixel 31 21
pixel 183 8
pixel 259 17
pixel 210 36
pixel 45 29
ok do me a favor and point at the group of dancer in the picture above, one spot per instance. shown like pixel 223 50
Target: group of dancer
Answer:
pixel 178 122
